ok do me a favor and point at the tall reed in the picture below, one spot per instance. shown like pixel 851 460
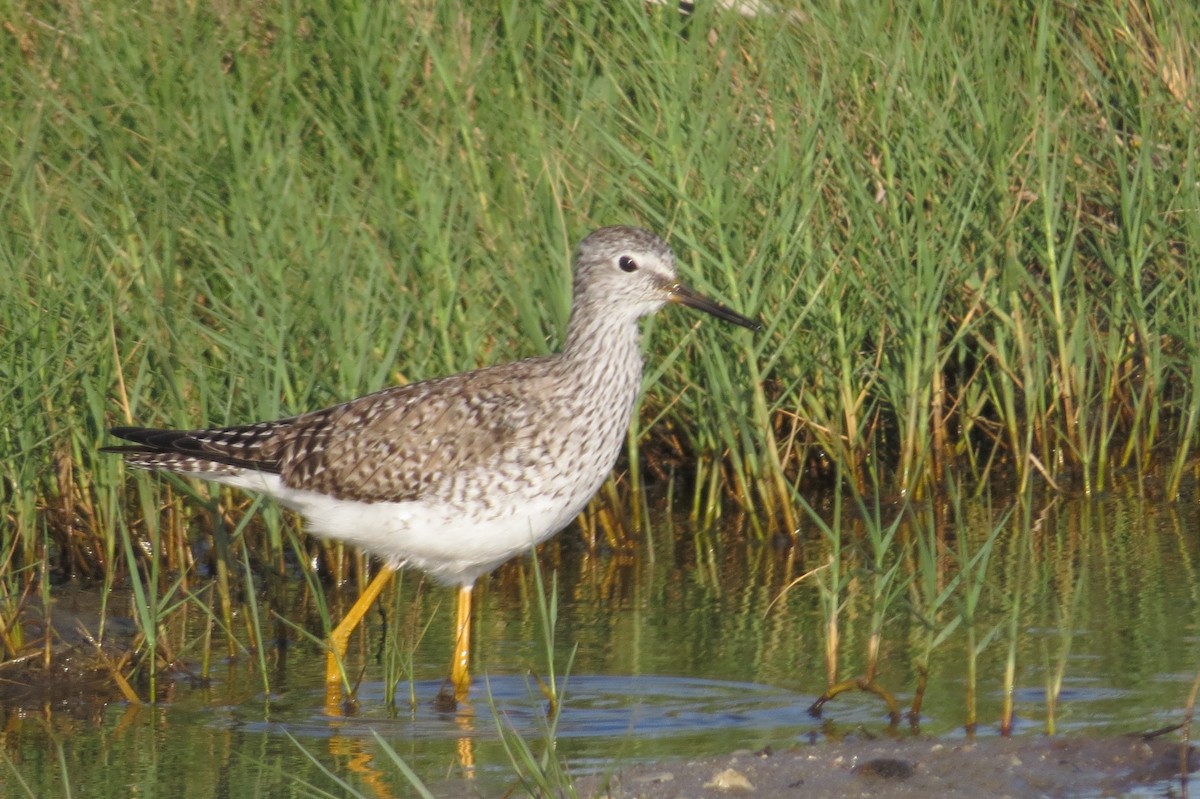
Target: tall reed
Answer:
pixel 968 259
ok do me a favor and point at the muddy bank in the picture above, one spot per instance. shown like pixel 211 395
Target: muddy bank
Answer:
pixel 1022 767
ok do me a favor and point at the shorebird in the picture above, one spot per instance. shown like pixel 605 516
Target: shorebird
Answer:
pixel 456 475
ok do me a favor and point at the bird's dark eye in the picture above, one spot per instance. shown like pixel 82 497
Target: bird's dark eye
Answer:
pixel 627 264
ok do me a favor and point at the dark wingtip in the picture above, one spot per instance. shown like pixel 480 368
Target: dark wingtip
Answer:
pixel 137 434
pixel 158 439
pixel 151 444
pixel 141 438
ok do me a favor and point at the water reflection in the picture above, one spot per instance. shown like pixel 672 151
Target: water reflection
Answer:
pixel 1085 620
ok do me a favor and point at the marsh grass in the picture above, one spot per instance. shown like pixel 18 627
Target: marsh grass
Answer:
pixel 543 774
pixel 975 258
pixel 407 626
pixel 536 774
pixel 709 613
pixel 873 560
pixel 969 232
pixel 960 579
pixel 972 573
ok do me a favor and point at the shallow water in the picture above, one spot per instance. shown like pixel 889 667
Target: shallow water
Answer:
pixel 692 647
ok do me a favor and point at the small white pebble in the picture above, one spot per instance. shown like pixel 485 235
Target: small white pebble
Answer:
pixel 730 780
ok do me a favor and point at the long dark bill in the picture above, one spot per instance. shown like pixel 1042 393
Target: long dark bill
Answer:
pixel 694 299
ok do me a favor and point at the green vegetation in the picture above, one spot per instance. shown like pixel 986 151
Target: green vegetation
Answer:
pixel 969 229
pixel 969 233
pixel 1099 596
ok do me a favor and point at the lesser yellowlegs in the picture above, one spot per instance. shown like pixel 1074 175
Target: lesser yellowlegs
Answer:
pixel 458 474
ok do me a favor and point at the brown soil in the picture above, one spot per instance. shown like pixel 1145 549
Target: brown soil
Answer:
pixel 63 667
pixel 1022 767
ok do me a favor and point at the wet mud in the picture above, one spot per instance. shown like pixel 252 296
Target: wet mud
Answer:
pixel 1020 767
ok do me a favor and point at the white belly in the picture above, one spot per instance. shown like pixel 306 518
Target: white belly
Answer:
pixel 436 538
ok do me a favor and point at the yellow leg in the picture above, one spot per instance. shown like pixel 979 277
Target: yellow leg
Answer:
pixel 460 675
pixel 339 639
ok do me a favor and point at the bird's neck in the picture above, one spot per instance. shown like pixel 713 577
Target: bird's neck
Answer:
pixel 601 372
pixel 606 349
pixel 590 335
